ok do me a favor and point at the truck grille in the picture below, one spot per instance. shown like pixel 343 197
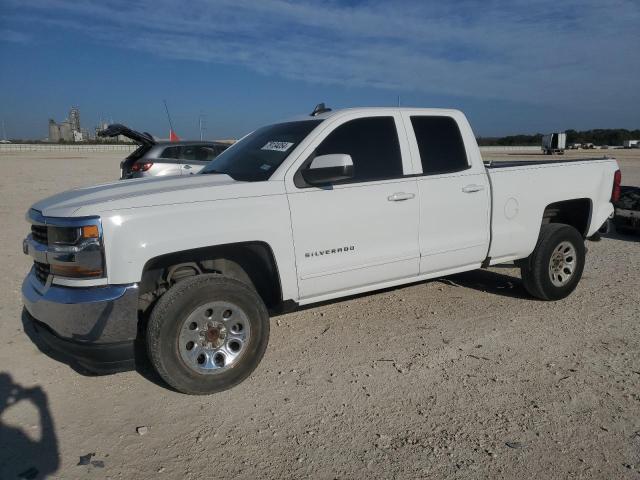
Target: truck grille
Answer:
pixel 42 271
pixel 39 233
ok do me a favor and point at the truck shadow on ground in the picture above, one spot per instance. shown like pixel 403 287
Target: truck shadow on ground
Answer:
pixel 482 280
pixel 488 281
pixel 20 455
pixel 625 237
pixel 142 363
pixel 30 331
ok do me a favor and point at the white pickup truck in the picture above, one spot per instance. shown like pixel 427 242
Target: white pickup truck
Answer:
pixel 323 206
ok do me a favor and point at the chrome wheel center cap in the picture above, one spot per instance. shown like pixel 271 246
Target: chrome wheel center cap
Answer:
pixel 215 335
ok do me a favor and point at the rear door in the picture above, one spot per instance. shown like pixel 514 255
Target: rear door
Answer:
pixel 168 162
pixel 453 193
pixel 360 232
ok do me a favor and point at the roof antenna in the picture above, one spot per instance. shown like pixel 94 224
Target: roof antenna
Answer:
pixel 320 108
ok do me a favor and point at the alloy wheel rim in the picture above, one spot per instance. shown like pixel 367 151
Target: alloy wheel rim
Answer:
pixel 214 337
pixel 562 264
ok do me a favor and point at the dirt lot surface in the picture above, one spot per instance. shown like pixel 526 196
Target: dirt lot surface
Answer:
pixel 461 377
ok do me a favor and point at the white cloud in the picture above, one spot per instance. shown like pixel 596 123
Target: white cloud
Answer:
pixel 548 51
pixel 12 36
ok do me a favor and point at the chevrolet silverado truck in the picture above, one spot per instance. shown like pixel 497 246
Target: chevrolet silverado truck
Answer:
pixel 313 209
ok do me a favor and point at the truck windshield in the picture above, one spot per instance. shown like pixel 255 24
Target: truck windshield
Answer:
pixel 259 154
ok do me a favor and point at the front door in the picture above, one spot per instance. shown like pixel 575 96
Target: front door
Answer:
pixel 360 232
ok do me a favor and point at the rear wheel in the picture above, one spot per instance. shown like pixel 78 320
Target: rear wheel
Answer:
pixel 555 266
pixel 207 334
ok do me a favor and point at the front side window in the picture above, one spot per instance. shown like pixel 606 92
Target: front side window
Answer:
pixel 259 154
pixel 440 144
pixel 373 145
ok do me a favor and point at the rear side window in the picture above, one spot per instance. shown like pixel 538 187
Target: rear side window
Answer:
pixel 171 152
pixel 440 145
pixel 373 146
pixel 221 148
pixel 198 152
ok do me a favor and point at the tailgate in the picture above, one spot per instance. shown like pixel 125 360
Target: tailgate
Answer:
pixel 116 129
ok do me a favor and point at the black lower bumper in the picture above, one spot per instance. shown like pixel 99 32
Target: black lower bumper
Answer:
pixel 96 358
pixel 627 223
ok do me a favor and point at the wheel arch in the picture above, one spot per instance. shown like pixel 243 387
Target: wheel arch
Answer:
pixel 251 262
pixel 576 212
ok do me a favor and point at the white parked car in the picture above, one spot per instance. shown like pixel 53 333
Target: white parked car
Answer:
pixel 316 208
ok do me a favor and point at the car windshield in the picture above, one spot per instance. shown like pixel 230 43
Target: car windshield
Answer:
pixel 259 154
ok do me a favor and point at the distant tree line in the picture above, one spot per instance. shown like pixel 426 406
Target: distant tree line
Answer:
pixel 511 140
pixel 599 136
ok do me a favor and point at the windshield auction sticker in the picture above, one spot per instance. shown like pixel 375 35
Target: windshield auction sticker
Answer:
pixel 277 146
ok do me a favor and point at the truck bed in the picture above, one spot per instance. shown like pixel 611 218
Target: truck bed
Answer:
pixel 522 189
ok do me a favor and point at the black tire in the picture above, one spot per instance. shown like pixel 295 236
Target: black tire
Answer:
pixel 535 272
pixel 167 320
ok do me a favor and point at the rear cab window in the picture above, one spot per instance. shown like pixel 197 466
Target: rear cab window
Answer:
pixel 440 144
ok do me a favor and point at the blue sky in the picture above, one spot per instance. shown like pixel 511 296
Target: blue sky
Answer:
pixel 513 66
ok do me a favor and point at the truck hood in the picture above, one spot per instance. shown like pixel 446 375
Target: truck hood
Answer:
pixel 148 192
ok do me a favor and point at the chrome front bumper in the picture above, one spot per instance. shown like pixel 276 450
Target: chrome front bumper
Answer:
pixel 93 315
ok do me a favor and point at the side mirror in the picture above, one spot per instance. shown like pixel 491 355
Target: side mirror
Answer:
pixel 331 168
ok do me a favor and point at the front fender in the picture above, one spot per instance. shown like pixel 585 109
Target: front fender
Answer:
pixel 135 236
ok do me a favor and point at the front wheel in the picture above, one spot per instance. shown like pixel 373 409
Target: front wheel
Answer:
pixel 207 333
pixel 555 266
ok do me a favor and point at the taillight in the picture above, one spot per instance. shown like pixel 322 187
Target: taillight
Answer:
pixel 617 180
pixel 141 167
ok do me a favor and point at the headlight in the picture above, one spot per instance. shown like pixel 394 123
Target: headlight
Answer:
pixel 76 252
pixel 74 246
pixel 71 235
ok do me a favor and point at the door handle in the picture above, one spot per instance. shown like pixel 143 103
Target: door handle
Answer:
pixel 472 188
pixel 400 196
pixel 187 167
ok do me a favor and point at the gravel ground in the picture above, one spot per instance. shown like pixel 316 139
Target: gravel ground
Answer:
pixel 461 377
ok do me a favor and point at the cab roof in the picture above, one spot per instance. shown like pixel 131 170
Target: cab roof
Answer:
pixel 370 110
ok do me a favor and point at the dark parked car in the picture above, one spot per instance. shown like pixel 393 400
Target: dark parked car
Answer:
pixel 161 158
pixel 627 210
